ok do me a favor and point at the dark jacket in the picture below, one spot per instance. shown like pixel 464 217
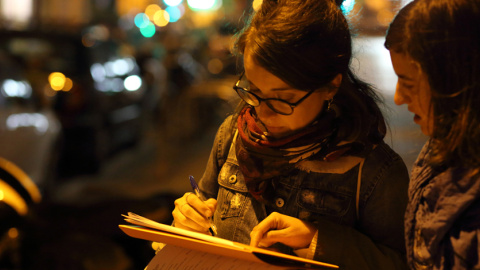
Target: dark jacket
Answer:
pixel 323 193
pixel 442 221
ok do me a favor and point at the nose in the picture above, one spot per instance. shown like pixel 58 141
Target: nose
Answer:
pixel 400 96
pixel 263 111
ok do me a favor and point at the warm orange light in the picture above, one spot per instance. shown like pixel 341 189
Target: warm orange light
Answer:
pixel 385 16
pixel 126 6
pixel 161 18
pixel 151 10
pixel 68 85
pixel 57 80
pixel 215 66
pixel 48 91
pixel 13 233
pixel 377 4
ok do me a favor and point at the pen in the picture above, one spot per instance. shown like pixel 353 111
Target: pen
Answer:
pixel 213 228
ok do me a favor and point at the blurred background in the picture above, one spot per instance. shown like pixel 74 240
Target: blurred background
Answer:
pixel 106 107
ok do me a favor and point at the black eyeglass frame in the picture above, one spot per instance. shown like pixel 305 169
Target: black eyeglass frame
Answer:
pixel 266 100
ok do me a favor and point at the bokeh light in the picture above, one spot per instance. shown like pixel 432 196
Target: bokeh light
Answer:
pixel 347 6
pixel 132 83
pixel 150 10
pixel 161 18
pixel 36 120
pixel 19 11
pixel 68 85
pixel 141 20
pixel 57 80
pixel 88 40
pixel 149 30
pixel 13 233
pixel 172 3
pixel 215 66
pixel 182 9
pixel 13 88
pixel 204 4
pixel 174 13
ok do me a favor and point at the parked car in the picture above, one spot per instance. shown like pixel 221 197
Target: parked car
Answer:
pixel 94 86
pixel 30 131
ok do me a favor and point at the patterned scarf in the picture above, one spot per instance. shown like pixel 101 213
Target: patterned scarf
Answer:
pixel 262 158
pixel 439 198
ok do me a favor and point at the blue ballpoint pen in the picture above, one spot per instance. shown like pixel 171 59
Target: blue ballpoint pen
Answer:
pixel 213 228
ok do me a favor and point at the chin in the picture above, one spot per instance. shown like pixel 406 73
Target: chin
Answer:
pixel 426 130
pixel 280 134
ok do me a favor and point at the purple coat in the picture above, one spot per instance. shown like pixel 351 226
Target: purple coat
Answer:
pixel 442 221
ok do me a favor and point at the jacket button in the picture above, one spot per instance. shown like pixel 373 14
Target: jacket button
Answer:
pixel 232 179
pixel 279 202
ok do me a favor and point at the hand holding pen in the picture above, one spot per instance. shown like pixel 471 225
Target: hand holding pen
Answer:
pixel 213 228
pixel 193 212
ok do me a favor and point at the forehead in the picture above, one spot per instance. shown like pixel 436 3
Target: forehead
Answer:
pixel 258 75
pixel 404 65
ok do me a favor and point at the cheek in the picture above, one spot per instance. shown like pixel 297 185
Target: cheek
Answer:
pixel 305 115
pixel 424 99
pixel 427 115
pixel 397 97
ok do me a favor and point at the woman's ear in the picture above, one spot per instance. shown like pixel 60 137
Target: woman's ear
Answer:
pixel 337 80
pixel 335 83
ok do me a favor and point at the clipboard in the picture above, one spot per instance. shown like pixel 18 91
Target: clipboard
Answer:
pixel 223 248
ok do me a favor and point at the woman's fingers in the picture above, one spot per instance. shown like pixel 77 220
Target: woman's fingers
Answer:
pixel 212 204
pixel 274 236
pixel 261 229
pixel 288 230
pixel 191 213
pixel 185 216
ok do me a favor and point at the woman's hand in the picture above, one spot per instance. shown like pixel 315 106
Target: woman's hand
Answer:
pixel 191 213
pixel 288 230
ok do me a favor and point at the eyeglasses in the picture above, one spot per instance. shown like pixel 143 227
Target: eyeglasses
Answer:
pixel 280 106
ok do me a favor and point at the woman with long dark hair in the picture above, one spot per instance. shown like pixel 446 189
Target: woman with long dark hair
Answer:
pixel 302 165
pixel 435 50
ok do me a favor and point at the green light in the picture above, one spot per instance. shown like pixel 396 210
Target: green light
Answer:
pixel 148 31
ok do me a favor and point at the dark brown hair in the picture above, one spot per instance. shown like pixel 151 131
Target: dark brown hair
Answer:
pixel 307 43
pixel 395 38
pixel 443 37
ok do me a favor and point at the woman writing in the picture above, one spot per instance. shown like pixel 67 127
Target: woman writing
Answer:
pixel 435 51
pixel 302 165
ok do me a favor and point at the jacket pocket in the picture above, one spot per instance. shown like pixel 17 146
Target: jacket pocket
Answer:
pixel 232 194
pixel 324 202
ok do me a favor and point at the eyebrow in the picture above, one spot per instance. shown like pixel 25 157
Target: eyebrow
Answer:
pixel 283 89
pixel 404 77
pixel 273 89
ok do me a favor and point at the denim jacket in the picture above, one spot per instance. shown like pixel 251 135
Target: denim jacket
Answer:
pixel 325 196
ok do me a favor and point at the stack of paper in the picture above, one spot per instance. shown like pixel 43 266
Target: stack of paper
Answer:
pixel 191 250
